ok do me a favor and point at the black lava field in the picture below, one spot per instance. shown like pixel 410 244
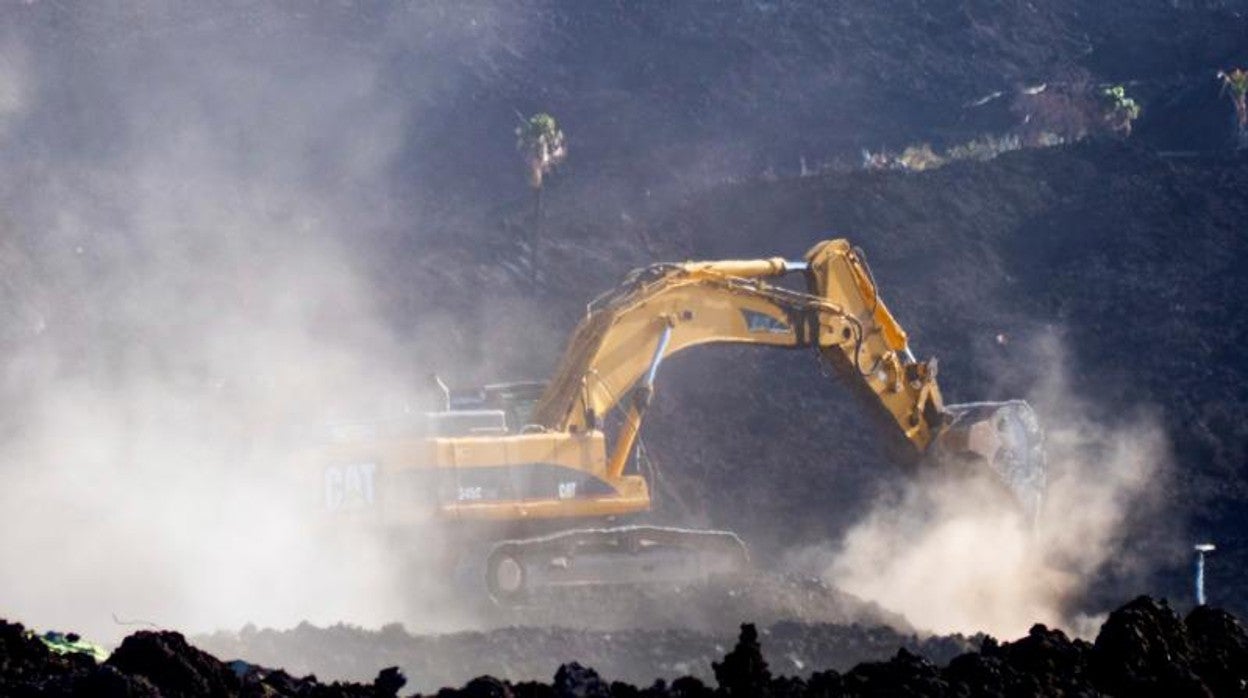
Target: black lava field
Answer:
pixel 1143 649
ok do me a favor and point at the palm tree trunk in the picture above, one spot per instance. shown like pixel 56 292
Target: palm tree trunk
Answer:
pixel 537 230
pixel 1241 121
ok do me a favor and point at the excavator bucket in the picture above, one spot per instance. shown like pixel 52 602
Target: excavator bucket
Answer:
pixel 1002 439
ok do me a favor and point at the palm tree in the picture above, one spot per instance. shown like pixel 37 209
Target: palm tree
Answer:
pixel 1236 82
pixel 1120 109
pixel 542 146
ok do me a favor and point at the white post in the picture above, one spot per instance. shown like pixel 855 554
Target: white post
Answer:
pixel 1200 570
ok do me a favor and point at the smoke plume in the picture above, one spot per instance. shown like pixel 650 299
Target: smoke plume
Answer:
pixel 192 195
pixel 935 552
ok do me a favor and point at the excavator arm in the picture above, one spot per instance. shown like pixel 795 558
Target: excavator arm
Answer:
pixel 615 354
pixel 616 351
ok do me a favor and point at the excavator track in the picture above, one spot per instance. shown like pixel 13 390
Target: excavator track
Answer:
pixel 516 569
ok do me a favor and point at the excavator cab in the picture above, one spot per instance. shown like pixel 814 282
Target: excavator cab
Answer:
pixel 514 401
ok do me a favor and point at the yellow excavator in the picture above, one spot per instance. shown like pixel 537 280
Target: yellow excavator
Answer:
pixel 527 471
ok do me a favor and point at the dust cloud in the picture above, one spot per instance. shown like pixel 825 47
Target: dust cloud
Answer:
pixel 938 554
pixel 191 195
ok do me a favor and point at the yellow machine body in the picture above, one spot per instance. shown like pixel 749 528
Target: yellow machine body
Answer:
pixel 557 464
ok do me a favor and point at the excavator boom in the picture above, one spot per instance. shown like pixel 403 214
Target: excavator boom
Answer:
pixel 664 309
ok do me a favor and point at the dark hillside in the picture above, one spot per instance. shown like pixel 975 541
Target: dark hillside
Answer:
pixel 1131 262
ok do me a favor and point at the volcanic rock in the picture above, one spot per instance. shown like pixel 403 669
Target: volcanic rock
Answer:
pixel 1221 648
pixel 1143 649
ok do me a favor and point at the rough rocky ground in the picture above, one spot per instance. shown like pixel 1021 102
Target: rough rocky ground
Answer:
pixel 525 653
pixel 635 635
pixel 1143 649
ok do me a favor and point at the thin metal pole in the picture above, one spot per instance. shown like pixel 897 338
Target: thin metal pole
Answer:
pixel 1200 570
pixel 1200 579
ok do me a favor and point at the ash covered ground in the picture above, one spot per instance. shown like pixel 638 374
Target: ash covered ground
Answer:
pixel 224 224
